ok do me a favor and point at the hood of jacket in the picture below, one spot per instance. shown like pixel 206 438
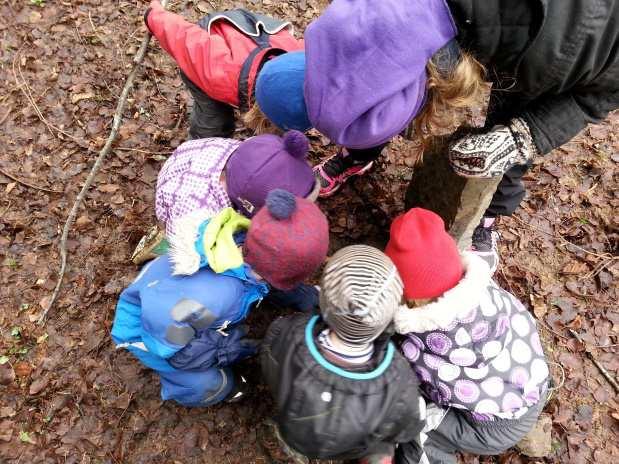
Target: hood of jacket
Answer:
pixel 365 75
pixel 212 241
pixel 453 305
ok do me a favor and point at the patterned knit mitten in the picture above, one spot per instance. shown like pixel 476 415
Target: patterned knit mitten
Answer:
pixel 493 153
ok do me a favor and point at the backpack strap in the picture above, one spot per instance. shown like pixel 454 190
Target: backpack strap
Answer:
pixel 243 84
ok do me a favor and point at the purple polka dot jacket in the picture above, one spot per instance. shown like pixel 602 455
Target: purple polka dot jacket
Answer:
pixel 189 183
pixel 476 348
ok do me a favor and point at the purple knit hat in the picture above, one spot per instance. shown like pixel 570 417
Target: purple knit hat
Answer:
pixel 365 76
pixel 267 162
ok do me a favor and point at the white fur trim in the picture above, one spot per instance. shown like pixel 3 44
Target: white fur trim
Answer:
pixel 185 259
pixel 453 303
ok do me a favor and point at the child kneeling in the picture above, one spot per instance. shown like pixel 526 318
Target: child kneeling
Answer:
pixel 186 327
pixel 474 347
pixel 342 390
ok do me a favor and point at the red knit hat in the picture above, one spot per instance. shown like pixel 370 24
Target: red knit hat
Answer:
pixel 424 253
pixel 287 240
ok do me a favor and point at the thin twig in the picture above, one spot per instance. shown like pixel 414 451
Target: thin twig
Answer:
pixel 3 118
pixel 25 88
pixel 562 370
pixel 139 150
pixel 599 268
pixel 552 390
pixel 6 210
pixel 601 368
pixel 545 325
pixel 137 60
pixel 563 239
pixel 23 182
pixel 27 93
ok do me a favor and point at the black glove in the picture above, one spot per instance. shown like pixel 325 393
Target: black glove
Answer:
pixel 492 153
pixel 302 298
pixel 215 348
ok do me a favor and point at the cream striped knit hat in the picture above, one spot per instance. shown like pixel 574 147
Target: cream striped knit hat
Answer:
pixel 360 292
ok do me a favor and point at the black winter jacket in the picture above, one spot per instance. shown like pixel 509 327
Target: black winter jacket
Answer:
pixel 553 62
pixel 325 415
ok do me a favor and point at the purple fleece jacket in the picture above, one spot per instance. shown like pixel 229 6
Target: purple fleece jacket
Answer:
pixel 365 76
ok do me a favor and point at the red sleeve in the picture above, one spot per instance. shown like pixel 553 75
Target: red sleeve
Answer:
pixel 193 49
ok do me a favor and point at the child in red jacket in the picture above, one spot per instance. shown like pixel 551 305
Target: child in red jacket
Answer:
pixel 235 59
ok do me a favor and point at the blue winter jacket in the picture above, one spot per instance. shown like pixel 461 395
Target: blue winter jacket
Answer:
pixel 170 321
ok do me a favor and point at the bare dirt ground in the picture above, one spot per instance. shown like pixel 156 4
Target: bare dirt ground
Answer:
pixel 66 396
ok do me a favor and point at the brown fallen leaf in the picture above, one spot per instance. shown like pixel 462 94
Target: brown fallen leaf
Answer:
pixel 570 360
pixel 38 385
pixel 77 97
pixel 22 369
pixel 34 17
pixel 9 187
pixel 540 308
pixel 6 430
pixel 118 199
pixel 123 401
pixel 7 374
pixel 203 7
pixel 44 302
pixel 108 188
pixel 601 395
pixel 7 411
pixel 575 267
pixel 82 222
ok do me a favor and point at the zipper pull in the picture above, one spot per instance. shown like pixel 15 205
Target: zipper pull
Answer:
pixel 222 329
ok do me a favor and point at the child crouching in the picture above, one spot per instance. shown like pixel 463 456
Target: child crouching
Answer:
pixel 204 176
pixel 235 59
pixel 186 327
pixel 341 389
pixel 474 347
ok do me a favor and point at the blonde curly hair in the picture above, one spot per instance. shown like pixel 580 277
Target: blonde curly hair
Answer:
pixel 449 96
pixel 256 121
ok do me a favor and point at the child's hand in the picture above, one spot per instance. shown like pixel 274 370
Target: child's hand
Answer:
pixel 493 153
pixel 215 348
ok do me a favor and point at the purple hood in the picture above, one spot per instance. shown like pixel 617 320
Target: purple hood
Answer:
pixel 365 72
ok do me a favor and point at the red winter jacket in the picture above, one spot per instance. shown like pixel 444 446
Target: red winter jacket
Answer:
pixel 213 59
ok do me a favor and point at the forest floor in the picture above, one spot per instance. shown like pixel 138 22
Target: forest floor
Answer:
pixel 67 396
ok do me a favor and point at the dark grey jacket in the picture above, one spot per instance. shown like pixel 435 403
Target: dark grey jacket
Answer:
pixel 553 62
pixel 324 412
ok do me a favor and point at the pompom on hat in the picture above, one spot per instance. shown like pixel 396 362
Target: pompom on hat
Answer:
pixel 287 241
pixel 267 162
pixel 424 253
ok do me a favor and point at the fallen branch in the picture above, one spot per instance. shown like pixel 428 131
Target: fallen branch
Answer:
pixel 137 60
pixel 23 182
pixel 601 368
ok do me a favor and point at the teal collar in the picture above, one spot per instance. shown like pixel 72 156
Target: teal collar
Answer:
pixel 311 345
